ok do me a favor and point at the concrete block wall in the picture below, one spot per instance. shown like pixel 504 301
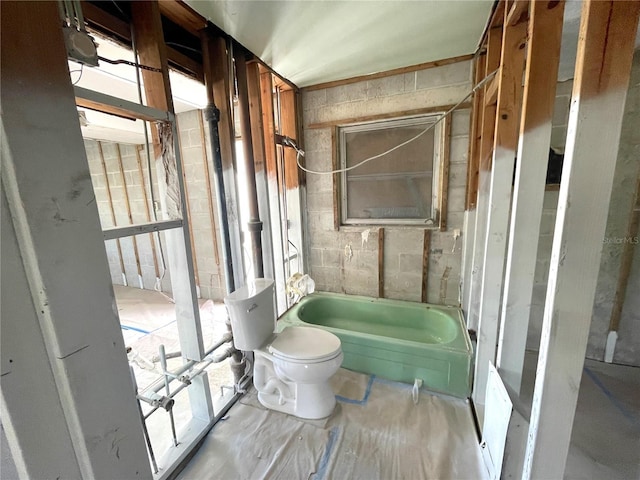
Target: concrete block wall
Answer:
pixel 346 260
pixel 625 178
pixel 210 280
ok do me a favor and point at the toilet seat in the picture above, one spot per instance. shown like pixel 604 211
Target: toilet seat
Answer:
pixel 305 344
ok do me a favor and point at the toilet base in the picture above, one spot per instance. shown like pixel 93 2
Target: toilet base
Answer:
pixel 310 401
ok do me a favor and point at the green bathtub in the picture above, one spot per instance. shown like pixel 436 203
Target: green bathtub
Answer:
pixel 393 339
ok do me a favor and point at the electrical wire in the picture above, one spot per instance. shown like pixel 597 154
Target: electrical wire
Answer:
pixel 127 62
pixel 81 70
pixel 300 153
pixel 185 47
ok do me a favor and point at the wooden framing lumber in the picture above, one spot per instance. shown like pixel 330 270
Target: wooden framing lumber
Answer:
pixel 603 65
pixel 445 151
pixel 381 262
pixel 474 136
pixel 499 200
pixel 543 55
pixel 426 249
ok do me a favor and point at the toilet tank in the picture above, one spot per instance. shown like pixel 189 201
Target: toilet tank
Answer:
pixel 252 313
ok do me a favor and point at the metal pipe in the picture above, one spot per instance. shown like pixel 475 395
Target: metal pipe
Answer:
pixel 167 389
pixel 145 432
pixel 212 115
pixel 254 225
pixel 207 176
pixel 157 386
pixel 215 359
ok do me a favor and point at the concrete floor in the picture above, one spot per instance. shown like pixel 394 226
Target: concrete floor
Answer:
pixel 605 441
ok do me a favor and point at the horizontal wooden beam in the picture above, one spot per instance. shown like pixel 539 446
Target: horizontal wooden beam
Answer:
pixel 384 116
pixel 108 24
pixel 102 102
pixel 183 15
pixel 112 233
pixel 519 12
pixel 491 94
pixel 389 73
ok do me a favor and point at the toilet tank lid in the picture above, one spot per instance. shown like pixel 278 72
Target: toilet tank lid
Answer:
pixel 249 290
pixel 305 343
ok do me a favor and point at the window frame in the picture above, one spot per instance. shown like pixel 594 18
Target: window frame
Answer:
pixel 439 181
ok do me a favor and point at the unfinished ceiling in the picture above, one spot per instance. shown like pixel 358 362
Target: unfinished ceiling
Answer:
pixel 311 42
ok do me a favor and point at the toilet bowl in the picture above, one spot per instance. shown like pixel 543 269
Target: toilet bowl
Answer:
pixel 292 368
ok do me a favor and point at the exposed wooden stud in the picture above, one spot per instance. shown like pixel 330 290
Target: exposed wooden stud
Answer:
pixel 381 262
pixel 147 211
pixel 335 188
pixel 499 201
pixel 112 211
pixel 444 173
pixel 183 15
pixel 541 72
pixel 518 12
pixel 388 73
pixel 474 136
pixel 151 51
pixel 486 133
pixel 384 116
pixel 426 249
pixel 603 65
pixel 289 127
pixel 116 106
pixel 127 204
pixel 491 95
pixel 494 47
pixel 626 260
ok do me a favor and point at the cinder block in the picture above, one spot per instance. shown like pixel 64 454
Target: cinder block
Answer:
pixel 457 175
pixel 452 74
pixel 410 263
pixel 456 197
pixel 320 202
pixel 317 139
pixel 547 222
pixel 333 257
pixel 551 200
pixel 410 82
pixel 460 122
pixel 386 86
pixel 558 138
pixel 313 99
pixel 459 152
pixel 561 110
pixel 347 93
pixel 188 120
pixel 318 160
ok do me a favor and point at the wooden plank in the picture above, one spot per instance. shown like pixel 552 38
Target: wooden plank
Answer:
pixel 494 47
pixel 499 201
pixel 381 262
pixel 541 71
pixel 289 127
pixel 491 95
pixel 109 25
pixel 147 26
pixel 67 400
pixel 389 73
pixel 426 248
pixel 335 188
pixel 474 136
pixel 444 173
pixel 140 229
pixel 384 116
pixel 518 12
pixel 102 102
pixel 603 65
pixel 486 131
pixel 183 15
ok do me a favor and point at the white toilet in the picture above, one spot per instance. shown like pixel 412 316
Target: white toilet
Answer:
pixel 292 368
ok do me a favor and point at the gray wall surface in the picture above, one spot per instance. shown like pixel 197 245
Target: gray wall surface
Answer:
pixel 343 261
pixel 620 207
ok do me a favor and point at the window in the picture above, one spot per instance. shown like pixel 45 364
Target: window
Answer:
pixel 401 187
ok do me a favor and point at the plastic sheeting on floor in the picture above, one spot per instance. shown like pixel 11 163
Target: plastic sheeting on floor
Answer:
pixel 375 432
